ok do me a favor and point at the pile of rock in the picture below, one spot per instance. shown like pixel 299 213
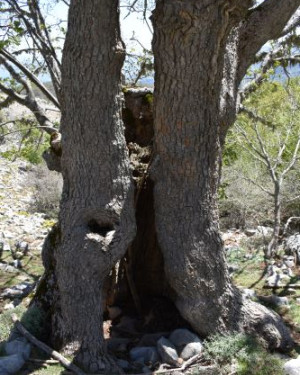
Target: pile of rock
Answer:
pixel 292 246
pixel 279 274
pixel 155 350
pixel 17 353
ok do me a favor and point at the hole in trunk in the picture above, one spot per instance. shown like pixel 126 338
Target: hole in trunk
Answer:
pixel 102 229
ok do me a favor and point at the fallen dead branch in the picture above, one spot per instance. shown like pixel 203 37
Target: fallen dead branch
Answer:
pixel 65 362
pixel 185 365
pixel 44 361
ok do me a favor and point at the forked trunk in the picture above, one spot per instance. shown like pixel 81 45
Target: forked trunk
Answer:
pixel 189 48
pixel 96 217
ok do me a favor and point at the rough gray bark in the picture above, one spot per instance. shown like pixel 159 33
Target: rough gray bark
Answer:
pixel 193 108
pixel 261 24
pixel 96 217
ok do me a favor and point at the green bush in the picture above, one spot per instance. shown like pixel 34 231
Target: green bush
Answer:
pixel 32 318
pixel 244 353
pixel 31 142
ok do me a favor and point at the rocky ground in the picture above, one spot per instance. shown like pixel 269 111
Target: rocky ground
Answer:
pixel 17 221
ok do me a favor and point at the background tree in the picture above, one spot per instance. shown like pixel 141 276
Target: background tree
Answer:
pixel 271 137
pixel 25 33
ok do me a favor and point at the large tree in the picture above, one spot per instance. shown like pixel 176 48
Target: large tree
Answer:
pixel 97 220
pixel 202 50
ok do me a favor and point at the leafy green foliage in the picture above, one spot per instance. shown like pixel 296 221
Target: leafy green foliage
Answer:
pixel 32 143
pixel 242 352
pixel 273 129
pixel 32 318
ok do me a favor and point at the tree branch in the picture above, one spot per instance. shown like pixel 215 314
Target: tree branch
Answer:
pixel 31 76
pixel 293 23
pixel 294 159
pixel 265 22
pixel 253 116
pixel 48 129
pixel 12 94
pixel 258 185
pixel 6 102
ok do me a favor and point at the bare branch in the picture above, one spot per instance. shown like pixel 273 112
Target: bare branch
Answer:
pixel 50 130
pixel 13 94
pixel 258 185
pixel 293 23
pixel 294 159
pixel 265 22
pixel 262 157
pixel 16 76
pixel 31 76
pixel 252 115
pixel 264 152
pixel 287 224
pixel 6 102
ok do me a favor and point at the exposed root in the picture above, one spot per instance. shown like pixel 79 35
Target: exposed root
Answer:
pixel 267 326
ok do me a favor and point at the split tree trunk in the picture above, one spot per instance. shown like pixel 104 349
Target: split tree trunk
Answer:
pixel 96 216
pixel 189 48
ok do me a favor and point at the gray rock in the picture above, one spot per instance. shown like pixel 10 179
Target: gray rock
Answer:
pixel 6 246
pixel 275 300
pixel 191 349
pixel 278 280
pixel 292 367
pixel 18 291
pixel 264 231
pixel 18 346
pixel 250 232
pixel 11 364
pixel 168 352
pixel 144 354
pixel 125 365
pixel 7 268
pixel 289 261
pixel 22 246
pixel 17 263
pixel 181 337
pixel 292 245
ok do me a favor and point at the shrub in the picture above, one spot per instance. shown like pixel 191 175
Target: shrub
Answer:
pixel 47 190
pixel 244 353
pixel 28 143
pixel 32 318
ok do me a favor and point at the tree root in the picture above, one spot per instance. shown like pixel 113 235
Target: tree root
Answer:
pixel 267 326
